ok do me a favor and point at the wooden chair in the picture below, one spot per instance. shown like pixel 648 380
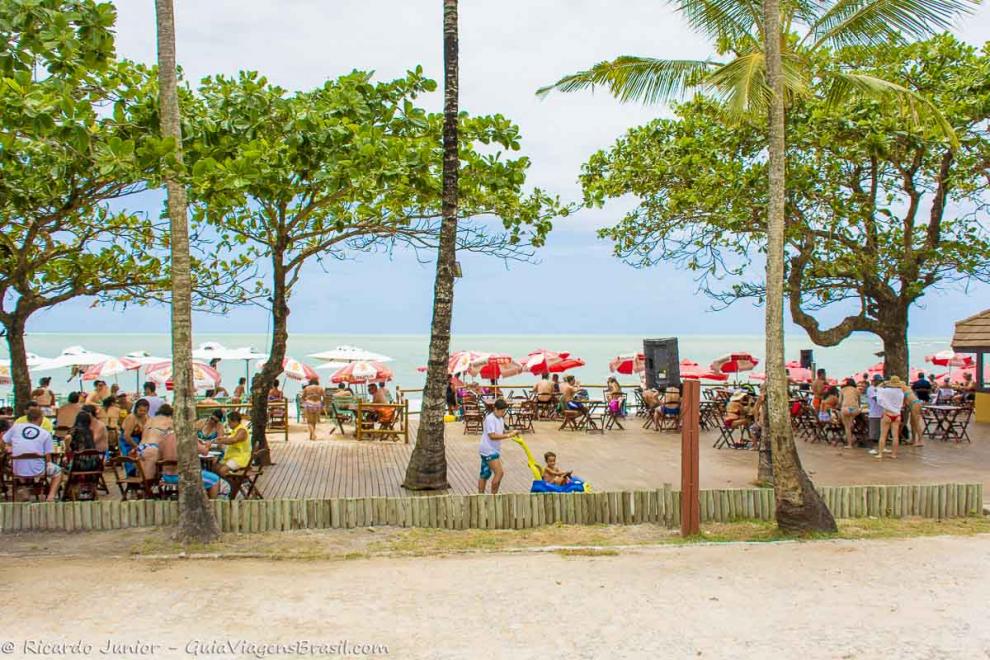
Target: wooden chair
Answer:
pixel 474 420
pixel 523 414
pixel 959 424
pixel 727 437
pixel 669 421
pixel 38 485
pixel 278 414
pixel 85 468
pixel 390 424
pixel 571 420
pixel 136 484
pixel 244 482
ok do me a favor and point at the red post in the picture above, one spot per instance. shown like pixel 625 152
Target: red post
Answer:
pixel 690 429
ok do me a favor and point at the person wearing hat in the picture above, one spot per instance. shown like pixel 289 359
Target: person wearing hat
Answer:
pixel 738 413
pixel 891 400
pixel 875 412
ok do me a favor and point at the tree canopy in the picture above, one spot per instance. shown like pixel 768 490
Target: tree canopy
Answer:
pixel 877 211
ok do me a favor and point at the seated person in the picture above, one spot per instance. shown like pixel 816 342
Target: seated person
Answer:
pixel 671 404
pixel 543 389
pixel 945 393
pixel 237 446
pixel 829 404
pixel 737 412
pixel 101 437
pixel 553 474
pixel 30 438
pixel 208 430
pixel 82 438
pixel 922 388
pixel 209 399
pixel 274 392
pixel 968 387
pixel 569 393
pixel 212 483
pixel 66 415
pixel 45 422
pixel 651 397
pixel 450 395
pixel 158 429
pixel 382 412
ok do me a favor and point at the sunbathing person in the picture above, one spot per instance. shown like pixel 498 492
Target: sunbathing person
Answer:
pixel 553 474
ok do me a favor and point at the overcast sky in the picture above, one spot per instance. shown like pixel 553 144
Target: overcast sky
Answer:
pixel 508 49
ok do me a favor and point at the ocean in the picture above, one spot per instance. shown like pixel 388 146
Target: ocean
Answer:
pixel 410 351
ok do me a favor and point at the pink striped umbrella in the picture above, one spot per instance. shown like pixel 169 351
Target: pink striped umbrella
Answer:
pixel 496 370
pixel 294 369
pixel 205 377
pixel 543 361
pixel 362 373
pixel 110 367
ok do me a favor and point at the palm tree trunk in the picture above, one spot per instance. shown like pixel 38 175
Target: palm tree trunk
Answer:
pixel 264 379
pixel 427 468
pixel 799 508
pixel 197 524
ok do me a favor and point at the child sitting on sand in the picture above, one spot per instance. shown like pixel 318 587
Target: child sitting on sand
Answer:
pixel 552 474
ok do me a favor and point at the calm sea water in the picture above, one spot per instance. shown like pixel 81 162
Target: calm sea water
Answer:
pixel 410 351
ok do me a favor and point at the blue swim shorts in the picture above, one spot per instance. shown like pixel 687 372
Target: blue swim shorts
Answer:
pixel 486 470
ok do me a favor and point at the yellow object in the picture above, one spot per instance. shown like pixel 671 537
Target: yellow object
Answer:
pixel 981 410
pixel 449 418
pixel 239 452
pixel 535 467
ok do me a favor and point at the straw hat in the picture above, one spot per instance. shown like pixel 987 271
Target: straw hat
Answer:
pixel 895 381
pixel 739 396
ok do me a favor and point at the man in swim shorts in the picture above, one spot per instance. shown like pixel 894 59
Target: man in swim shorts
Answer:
pixel 491 447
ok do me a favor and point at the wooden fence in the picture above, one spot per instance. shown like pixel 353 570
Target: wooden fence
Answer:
pixel 503 511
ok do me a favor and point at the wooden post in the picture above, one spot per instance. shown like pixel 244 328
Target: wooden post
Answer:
pixel 358 421
pixel 690 429
pixel 405 421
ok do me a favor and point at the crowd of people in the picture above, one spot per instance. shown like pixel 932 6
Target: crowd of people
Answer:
pixel 92 427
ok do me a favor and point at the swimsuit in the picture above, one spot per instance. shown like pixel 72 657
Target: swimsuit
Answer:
pixel 486 470
pixel 892 416
pixel 312 406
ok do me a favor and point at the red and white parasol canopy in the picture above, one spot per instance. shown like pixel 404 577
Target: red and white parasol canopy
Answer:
pixel 734 363
pixel 692 370
pixel 950 359
pixel 110 367
pixel 361 373
pixel 795 373
pixel 543 361
pixel 294 369
pixel 628 364
pixel 496 370
pixel 205 377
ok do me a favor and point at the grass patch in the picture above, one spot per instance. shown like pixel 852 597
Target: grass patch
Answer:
pixel 587 552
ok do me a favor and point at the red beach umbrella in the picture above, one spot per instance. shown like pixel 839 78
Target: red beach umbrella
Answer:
pixel 692 370
pixel 362 373
pixel 628 364
pixel 734 363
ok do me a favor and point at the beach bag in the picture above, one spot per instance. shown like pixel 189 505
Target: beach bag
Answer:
pixel 795 409
pixel 614 406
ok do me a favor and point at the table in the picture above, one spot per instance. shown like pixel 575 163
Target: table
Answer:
pixel 940 422
pixel 587 421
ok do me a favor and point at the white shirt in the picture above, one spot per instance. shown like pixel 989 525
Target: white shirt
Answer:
pixel 891 399
pixel 871 399
pixel 28 438
pixel 496 425
pixel 154 403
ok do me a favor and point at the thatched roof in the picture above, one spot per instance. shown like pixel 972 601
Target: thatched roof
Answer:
pixel 972 334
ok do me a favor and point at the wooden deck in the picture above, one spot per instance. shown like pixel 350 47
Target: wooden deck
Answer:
pixel 618 460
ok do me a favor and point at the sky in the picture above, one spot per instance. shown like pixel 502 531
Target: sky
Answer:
pixel 508 49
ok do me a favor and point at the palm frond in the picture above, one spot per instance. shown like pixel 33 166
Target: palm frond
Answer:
pixel 741 21
pixel 742 84
pixel 844 86
pixel 630 78
pixel 850 22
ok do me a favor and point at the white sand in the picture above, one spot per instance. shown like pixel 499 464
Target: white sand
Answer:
pixel 914 598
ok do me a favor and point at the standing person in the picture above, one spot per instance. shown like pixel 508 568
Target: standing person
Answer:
pixel 240 390
pixel 152 399
pixel 100 392
pixel 912 406
pixel 312 401
pixel 818 388
pixel 491 447
pixel 875 412
pixel 922 388
pixel 849 409
pixel 44 397
pixel 29 438
pixel 891 400
pixel 450 395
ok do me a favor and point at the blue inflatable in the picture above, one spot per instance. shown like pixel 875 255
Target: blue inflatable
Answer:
pixel 574 486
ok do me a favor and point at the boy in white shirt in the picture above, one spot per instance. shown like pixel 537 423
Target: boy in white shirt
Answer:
pixel 491 447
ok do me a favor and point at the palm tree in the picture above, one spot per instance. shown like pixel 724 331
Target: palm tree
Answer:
pixel 197 523
pixel 771 65
pixel 427 469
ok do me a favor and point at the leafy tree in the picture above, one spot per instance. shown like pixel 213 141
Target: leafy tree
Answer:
pixel 877 214
pixel 197 523
pixel 427 468
pixel 72 137
pixel 352 165
pixel 771 50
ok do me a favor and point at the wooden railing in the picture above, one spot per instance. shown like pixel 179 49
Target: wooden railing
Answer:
pixel 502 511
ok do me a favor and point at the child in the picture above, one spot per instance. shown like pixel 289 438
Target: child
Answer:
pixel 552 474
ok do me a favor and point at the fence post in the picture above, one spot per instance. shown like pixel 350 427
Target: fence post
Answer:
pixel 405 420
pixel 690 512
pixel 357 422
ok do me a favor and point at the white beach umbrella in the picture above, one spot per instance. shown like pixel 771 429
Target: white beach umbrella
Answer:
pixel 33 361
pixel 73 356
pixel 331 366
pixel 350 354
pixel 145 358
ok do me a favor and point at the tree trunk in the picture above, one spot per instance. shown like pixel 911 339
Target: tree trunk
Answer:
pixel 15 324
pixel 799 508
pixel 427 468
pixel 893 333
pixel 264 379
pixel 764 466
pixel 197 524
